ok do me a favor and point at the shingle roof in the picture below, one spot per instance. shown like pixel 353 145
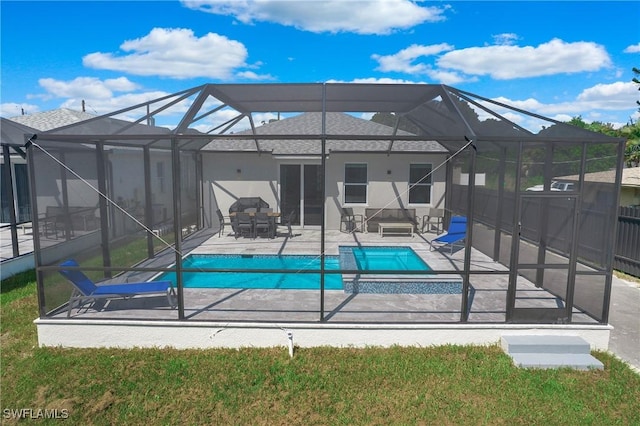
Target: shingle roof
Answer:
pixel 52 119
pixel 630 177
pixel 336 124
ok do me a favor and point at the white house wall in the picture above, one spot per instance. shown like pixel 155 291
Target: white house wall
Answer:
pixel 49 185
pixel 390 190
pixel 228 176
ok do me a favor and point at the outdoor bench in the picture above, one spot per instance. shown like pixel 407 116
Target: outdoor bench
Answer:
pixel 79 218
pixel 374 217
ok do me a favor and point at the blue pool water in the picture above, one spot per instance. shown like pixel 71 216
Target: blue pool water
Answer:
pixel 360 258
pixel 387 258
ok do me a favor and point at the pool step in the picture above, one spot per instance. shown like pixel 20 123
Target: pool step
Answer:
pixel 542 351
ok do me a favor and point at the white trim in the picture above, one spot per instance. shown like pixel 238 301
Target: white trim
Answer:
pixel 430 184
pixel 344 184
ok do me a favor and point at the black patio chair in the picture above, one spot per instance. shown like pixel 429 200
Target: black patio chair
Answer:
pixel 352 221
pixel 223 221
pixel 264 224
pixel 287 221
pixel 243 225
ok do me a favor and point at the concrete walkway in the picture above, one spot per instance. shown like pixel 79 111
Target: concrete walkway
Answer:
pixel 624 316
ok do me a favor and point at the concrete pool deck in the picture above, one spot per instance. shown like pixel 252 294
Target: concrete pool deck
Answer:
pixel 487 293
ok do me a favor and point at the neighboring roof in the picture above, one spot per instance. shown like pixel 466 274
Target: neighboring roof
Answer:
pixel 47 120
pixel 310 123
pixel 630 177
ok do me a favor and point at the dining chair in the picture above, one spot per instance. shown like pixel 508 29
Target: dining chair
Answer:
pixel 263 224
pixel 244 225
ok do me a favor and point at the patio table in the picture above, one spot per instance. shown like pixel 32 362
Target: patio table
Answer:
pixel 271 215
pixel 395 228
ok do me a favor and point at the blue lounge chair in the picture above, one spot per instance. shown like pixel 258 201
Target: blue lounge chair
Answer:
pixel 456 233
pixel 86 291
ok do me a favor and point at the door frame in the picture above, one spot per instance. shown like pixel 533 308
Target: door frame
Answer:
pixel 300 163
pixel 542 315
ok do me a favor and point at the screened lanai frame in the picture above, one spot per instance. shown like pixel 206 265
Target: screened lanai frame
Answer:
pixel 507 149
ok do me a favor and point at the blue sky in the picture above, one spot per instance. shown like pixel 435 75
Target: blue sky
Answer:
pixel 557 59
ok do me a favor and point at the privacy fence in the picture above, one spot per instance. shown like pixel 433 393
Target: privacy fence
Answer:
pixel 627 258
pixel 558 235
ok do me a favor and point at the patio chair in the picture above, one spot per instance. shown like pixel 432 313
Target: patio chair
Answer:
pixel 286 221
pixel 86 291
pixel 223 221
pixel 243 225
pixel 456 233
pixel 351 220
pixel 264 224
pixel 433 220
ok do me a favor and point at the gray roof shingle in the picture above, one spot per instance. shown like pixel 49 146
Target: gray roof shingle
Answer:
pixel 52 119
pixel 311 124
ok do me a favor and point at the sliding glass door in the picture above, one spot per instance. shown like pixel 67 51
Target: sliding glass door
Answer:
pixel 301 191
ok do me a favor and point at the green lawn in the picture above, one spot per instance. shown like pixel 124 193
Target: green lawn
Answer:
pixel 447 385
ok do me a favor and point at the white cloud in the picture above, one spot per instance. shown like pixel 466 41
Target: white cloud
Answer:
pixel 100 96
pixel 443 64
pixel 12 109
pixel 592 103
pixel 506 62
pixel 505 39
pixel 89 87
pixel 404 60
pixel 250 75
pixel 449 77
pixel 175 53
pixel 333 16
pixel 101 105
pixel 634 48
pixel 615 96
pixel 375 80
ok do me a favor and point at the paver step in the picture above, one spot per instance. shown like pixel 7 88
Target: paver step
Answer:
pixel 555 360
pixel 544 344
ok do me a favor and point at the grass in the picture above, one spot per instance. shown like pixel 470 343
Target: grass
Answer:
pixel 627 277
pixel 461 385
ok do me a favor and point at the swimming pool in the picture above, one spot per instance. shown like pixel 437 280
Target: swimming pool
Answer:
pixel 353 258
pixel 374 258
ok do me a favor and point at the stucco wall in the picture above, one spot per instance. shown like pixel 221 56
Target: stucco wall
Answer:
pixel 629 196
pixel 388 178
pixel 227 176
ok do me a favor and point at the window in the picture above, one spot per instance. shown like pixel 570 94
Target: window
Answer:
pixel 420 183
pixel 355 183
